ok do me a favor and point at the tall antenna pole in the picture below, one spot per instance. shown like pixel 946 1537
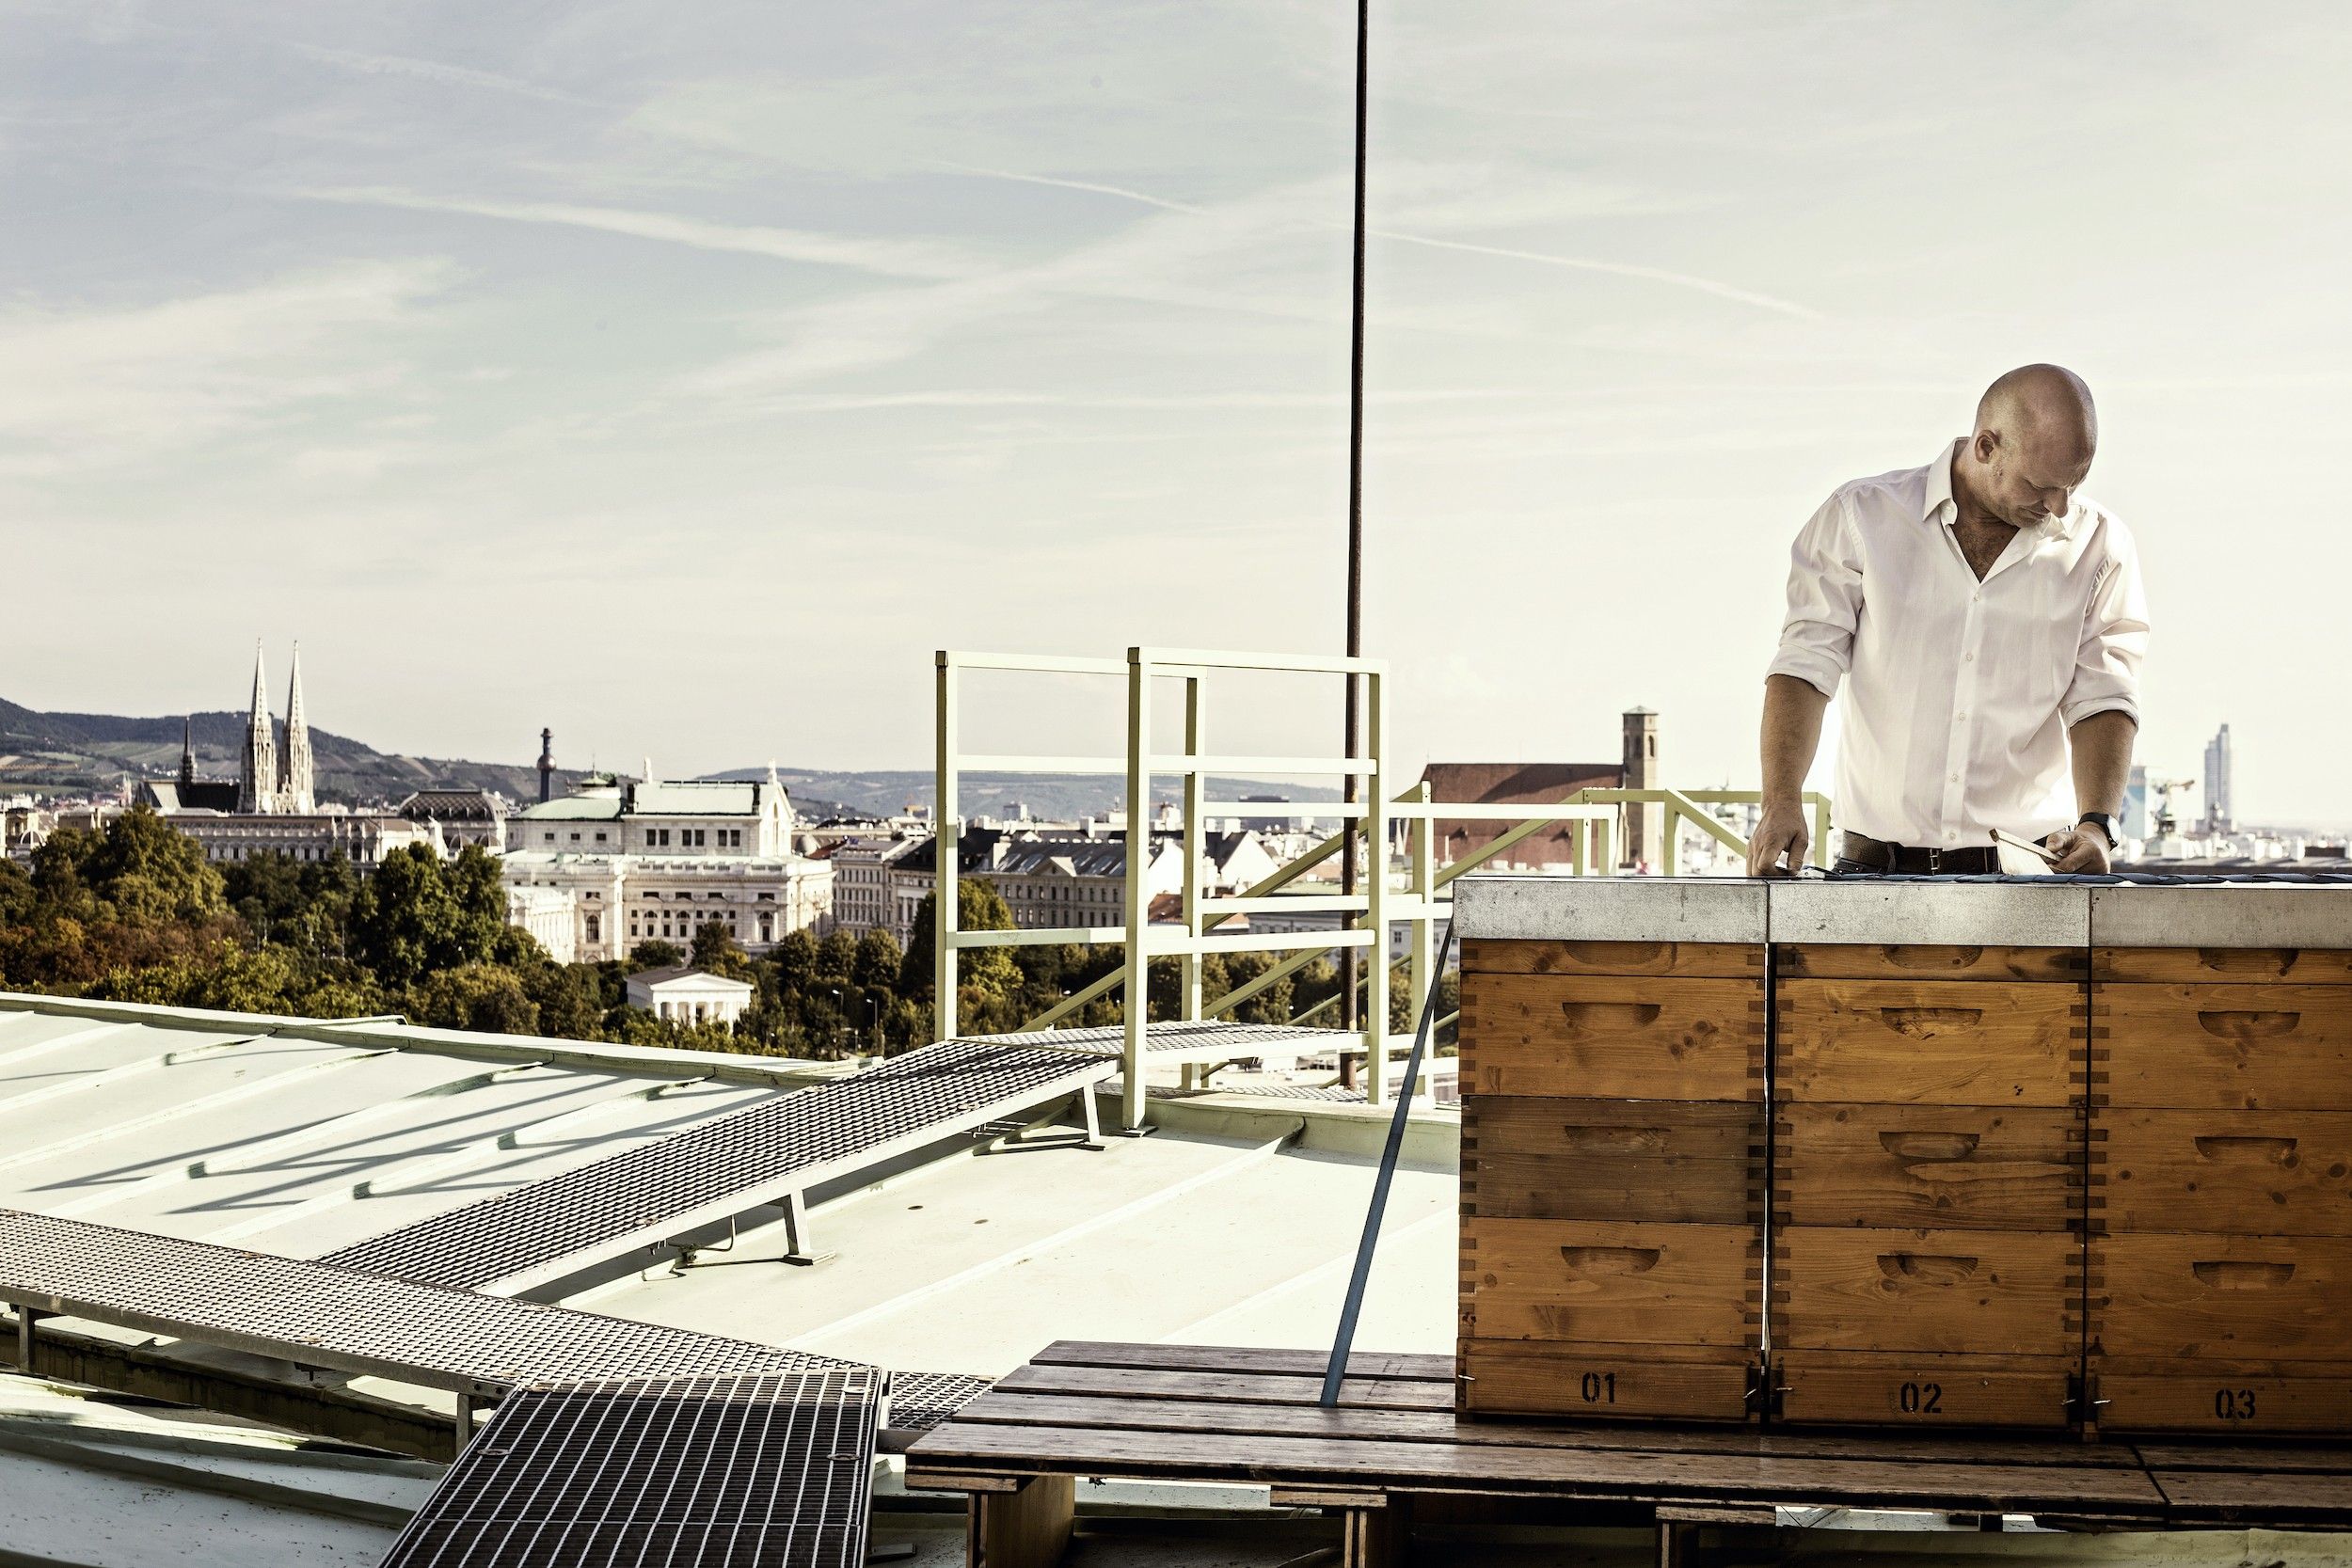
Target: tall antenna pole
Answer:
pixel 1356 537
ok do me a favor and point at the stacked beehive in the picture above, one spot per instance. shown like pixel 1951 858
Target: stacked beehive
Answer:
pixel 2040 1153
pixel 1928 1083
pixel 2221 1160
pixel 1614 1150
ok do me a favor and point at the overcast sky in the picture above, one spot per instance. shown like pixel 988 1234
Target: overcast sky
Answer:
pixel 680 376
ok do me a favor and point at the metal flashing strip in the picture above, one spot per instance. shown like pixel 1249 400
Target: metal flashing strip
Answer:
pixel 2221 915
pixel 770 1470
pixel 1532 907
pixel 641 1198
pixel 2019 911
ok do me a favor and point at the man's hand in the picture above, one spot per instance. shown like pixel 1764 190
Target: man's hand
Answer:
pixel 1781 830
pixel 2079 849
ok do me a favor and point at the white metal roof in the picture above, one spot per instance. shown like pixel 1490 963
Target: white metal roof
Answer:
pixel 300 1136
pixel 86 1479
pixel 1235 1223
pixel 695 797
pixel 572 808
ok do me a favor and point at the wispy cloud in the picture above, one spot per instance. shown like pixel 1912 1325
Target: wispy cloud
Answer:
pixel 1577 264
pixel 113 385
pixel 829 403
pixel 1615 269
pixel 1218 261
pixel 916 258
pixel 1121 191
pixel 437 70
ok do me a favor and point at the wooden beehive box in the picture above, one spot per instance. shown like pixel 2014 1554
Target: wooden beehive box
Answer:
pixel 1613 1148
pixel 1929 1080
pixel 2220 1173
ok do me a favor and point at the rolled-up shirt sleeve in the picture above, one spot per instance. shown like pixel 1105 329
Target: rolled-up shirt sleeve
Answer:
pixel 1824 600
pixel 2114 640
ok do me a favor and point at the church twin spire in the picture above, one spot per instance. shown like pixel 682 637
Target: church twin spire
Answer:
pixel 294 785
pixel 267 783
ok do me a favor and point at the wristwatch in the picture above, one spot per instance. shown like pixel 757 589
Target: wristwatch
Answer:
pixel 2105 825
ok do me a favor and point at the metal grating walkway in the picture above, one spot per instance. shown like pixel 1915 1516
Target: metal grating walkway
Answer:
pixel 764 1471
pixel 324 1316
pixel 644 1196
pixel 920 1401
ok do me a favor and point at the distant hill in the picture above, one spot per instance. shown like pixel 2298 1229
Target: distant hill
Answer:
pixel 881 792
pixel 78 751
pixel 75 753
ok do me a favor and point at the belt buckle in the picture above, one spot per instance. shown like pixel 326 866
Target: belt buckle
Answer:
pixel 1935 862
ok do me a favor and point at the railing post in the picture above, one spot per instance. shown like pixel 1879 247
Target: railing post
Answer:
pixel 1669 840
pixel 1376 888
pixel 944 834
pixel 1195 851
pixel 1138 992
pixel 1821 856
pixel 1420 839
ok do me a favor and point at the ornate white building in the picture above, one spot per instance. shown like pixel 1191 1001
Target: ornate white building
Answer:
pixel 658 860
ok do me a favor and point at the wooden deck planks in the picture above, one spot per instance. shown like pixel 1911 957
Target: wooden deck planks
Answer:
pixel 1243 1359
pixel 1231 1388
pixel 1613 1475
pixel 1003 1407
pixel 2252 1498
pixel 1251 1416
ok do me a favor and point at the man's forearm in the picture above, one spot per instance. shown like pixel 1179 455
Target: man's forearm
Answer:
pixel 1792 734
pixel 2102 761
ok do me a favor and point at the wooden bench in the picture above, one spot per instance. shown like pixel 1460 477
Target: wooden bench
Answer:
pixel 1394 1451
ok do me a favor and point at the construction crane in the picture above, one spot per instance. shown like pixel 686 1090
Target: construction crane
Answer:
pixel 2166 841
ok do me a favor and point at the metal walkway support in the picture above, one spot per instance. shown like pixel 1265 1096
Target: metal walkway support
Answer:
pixel 768 1470
pixel 642 1198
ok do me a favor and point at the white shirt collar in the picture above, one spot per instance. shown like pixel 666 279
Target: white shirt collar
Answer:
pixel 1939 497
pixel 1940 484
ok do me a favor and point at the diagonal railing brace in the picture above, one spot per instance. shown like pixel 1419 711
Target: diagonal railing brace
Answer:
pixel 1336 1370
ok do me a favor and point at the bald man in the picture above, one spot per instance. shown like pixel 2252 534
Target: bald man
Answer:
pixel 1987 622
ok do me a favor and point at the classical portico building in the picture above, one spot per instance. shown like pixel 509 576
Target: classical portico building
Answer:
pixel 659 859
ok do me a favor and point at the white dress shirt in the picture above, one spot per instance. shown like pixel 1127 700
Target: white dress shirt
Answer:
pixel 1959 692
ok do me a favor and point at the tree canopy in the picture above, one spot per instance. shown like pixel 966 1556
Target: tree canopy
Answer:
pixel 132 911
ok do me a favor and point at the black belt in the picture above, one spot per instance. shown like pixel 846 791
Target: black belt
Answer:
pixel 1976 861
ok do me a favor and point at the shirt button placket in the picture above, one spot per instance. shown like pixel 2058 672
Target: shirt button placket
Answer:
pixel 1964 699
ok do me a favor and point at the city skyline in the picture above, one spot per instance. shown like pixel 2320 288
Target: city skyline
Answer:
pixel 684 397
